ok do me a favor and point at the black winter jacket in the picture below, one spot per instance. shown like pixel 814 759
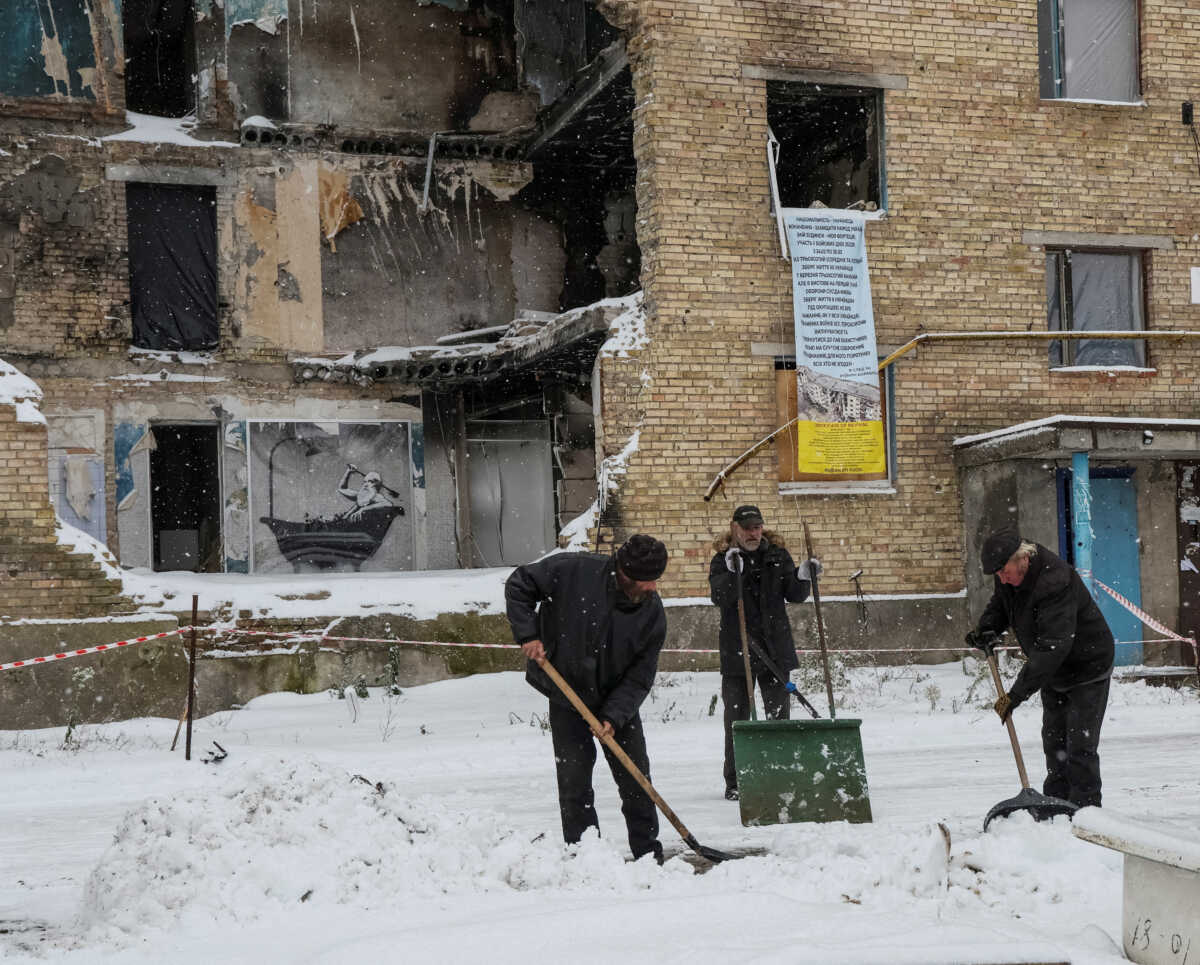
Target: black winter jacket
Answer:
pixel 604 645
pixel 769 581
pixel 1057 624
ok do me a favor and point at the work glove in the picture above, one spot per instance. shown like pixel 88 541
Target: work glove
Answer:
pixel 1003 706
pixel 984 640
pixel 808 569
pixel 733 560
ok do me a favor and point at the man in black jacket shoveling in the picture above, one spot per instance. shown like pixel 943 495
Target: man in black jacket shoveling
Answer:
pixel 769 580
pixel 601 624
pixel 1069 647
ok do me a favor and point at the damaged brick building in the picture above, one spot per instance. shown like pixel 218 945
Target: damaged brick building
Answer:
pixel 374 269
pixel 324 323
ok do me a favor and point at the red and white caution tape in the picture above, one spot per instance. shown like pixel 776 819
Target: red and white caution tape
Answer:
pixel 1147 619
pixel 50 658
pixel 309 635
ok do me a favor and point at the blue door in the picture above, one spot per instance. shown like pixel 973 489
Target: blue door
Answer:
pixel 1115 560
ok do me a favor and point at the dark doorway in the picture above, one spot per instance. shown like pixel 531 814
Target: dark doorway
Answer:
pixel 160 56
pixel 185 498
pixel 172 265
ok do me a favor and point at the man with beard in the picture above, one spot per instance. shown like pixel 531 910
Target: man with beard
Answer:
pixel 599 621
pixel 769 580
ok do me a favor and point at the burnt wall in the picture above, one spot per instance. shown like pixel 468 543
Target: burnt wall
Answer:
pixel 399 66
pixel 400 275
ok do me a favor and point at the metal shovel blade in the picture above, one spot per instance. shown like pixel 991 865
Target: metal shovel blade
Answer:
pixel 1041 806
pixel 712 854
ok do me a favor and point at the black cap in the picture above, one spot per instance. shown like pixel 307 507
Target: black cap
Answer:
pixel 998 549
pixel 642 558
pixel 747 516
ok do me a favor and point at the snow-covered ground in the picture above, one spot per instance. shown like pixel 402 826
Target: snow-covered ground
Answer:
pixel 424 828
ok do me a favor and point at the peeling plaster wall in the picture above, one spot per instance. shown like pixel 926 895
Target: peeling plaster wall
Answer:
pixel 401 65
pixel 402 277
pixel 61 50
pixel 276 295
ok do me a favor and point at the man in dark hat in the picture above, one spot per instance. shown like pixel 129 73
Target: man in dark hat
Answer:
pixel 1043 601
pixel 600 622
pixel 769 579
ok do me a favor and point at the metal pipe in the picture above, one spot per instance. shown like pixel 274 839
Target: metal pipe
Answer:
pixel 1024 336
pixel 720 478
pixel 424 206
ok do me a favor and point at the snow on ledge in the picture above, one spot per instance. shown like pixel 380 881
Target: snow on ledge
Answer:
pixel 22 393
pixel 163 130
pixel 1023 428
pixel 1110 830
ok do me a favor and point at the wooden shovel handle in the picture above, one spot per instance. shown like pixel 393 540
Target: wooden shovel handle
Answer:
pixel 569 692
pixel 1012 731
pixel 816 594
pixel 741 610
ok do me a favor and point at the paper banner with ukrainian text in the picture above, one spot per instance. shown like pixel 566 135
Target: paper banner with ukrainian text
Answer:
pixel 839 434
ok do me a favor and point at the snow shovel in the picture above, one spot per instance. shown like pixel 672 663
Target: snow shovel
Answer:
pixel 711 854
pixel 1041 806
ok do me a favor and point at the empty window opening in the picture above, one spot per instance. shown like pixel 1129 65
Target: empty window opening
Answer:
pixel 1088 49
pixel 185 503
pixel 160 56
pixel 1095 291
pixel 830 144
pixel 172 265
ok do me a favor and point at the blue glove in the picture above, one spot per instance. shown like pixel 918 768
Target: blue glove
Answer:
pixel 733 560
pixel 808 569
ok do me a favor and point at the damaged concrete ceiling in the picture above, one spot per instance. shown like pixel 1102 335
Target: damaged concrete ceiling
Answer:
pixel 591 125
pixel 563 347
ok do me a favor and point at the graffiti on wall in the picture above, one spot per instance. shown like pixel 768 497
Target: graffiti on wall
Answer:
pixel 330 496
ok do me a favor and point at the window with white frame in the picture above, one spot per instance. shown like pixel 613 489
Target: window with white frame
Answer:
pixel 1095 291
pixel 1088 50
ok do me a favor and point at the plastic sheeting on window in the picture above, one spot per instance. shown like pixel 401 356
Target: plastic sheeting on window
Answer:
pixel 172 266
pixel 1106 296
pixel 1099 49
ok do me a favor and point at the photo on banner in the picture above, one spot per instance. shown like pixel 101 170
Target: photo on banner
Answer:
pixel 330 496
pixel 839 432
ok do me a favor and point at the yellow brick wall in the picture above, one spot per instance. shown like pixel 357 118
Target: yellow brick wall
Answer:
pixel 974 159
pixel 39 578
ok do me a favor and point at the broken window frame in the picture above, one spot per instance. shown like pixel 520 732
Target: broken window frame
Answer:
pixel 1061 307
pixel 1054 80
pixel 875 142
pixel 786 456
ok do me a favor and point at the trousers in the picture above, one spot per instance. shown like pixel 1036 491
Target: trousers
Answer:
pixel 575 759
pixel 735 699
pixel 1071 722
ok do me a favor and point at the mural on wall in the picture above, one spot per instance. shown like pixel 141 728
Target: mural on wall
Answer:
pixel 236 498
pixel 330 496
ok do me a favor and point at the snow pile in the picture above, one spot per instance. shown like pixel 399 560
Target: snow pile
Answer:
pixel 21 392
pixel 276 834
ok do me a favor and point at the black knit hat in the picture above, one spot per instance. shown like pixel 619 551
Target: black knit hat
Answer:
pixel 747 516
pixel 998 549
pixel 642 558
